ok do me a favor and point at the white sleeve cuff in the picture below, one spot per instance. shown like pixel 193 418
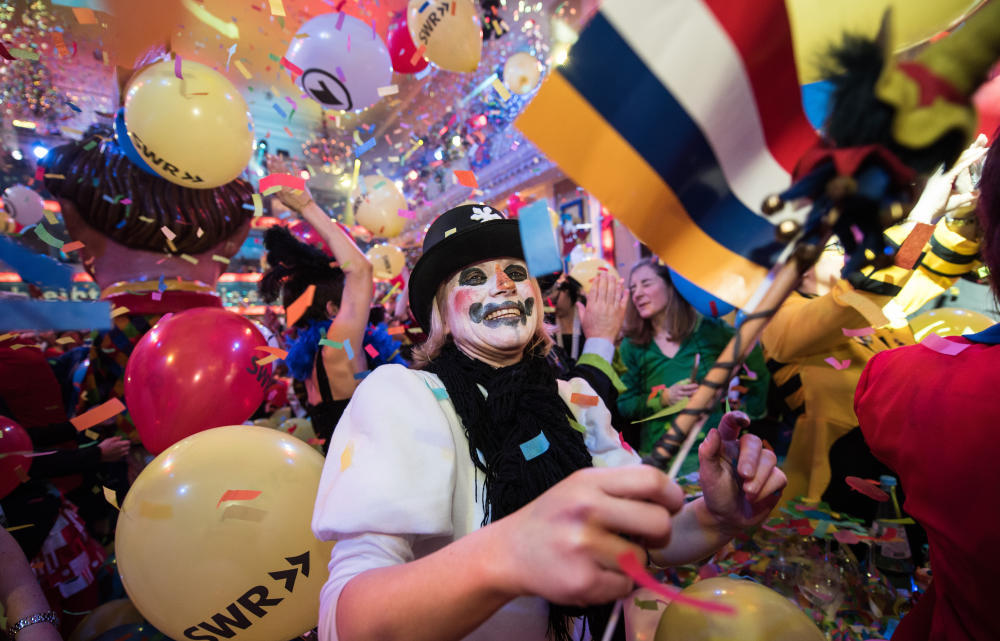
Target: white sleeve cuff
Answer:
pixel 600 347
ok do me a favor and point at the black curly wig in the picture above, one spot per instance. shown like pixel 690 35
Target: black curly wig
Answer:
pixel 292 267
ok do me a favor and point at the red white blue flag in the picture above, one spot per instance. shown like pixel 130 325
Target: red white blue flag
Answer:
pixel 681 116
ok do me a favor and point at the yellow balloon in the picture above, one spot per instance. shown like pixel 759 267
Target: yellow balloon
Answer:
pixel 204 558
pixel 818 24
pixel 948 321
pixel 300 428
pixel 196 131
pixel 104 617
pixel 387 260
pixel 449 30
pixel 761 615
pixel 381 201
pixel 586 270
pixel 521 72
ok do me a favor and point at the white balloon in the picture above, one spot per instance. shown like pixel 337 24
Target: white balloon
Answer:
pixel 24 204
pixel 342 68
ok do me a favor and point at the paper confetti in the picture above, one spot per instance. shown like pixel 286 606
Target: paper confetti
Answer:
pixel 371 351
pixel 282 180
pixel 73 246
pixel 866 487
pixel 243 70
pixel 238 495
pixel 466 178
pixel 535 447
pixel 258 205
pixel 417 55
pixel 166 232
pixel 943 345
pixel 406 213
pixel 277 9
pixel 177 67
pixel 296 309
pixel 864 331
pixel 585 400
pixel 274 351
pixel 911 249
pixel 388 91
pixel 365 146
pixel 655 391
pixel 836 364
pixel 346 456
pixel 292 67
pixel 47 238
pixel 104 411
pixel 118 311
pixel 229 56
pixel 630 565
pixel 501 90
pixel 109 496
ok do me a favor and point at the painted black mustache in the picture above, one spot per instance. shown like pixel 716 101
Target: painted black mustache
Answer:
pixel 478 312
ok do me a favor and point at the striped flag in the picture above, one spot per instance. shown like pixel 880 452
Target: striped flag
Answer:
pixel 681 117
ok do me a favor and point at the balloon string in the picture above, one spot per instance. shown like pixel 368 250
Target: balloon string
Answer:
pixel 630 565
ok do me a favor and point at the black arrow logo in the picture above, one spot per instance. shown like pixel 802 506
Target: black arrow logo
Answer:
pixel 288 576
pixel 324 95
pixel 326 89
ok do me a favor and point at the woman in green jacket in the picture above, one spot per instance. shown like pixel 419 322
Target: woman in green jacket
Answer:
pixel 668 348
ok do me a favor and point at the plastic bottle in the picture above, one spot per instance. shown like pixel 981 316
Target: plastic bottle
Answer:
pixel 892 557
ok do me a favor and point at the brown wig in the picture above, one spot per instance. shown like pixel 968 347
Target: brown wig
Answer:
pixel 988 212
pixel 96 176
pixel 681 316
pixel 292 267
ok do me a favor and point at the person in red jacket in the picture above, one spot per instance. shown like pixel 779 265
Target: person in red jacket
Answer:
pixel 928 411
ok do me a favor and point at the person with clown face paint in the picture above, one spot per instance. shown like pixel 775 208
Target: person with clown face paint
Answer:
pixel 480 498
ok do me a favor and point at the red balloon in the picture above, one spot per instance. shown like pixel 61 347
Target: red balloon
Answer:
pixel 987 101
pixel 401 48
pixel 308 234
pixel 194 371
pixel 13 469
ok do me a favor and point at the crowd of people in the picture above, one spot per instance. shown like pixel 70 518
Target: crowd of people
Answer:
pixel 503 482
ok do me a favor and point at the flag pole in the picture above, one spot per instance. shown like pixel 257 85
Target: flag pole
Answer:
pixel 674 445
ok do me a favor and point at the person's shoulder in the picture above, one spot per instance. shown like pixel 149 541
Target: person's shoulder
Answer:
pixel 395 379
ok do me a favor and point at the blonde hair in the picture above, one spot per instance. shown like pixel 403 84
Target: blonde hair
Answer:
pixel 681 316
pixel 438 336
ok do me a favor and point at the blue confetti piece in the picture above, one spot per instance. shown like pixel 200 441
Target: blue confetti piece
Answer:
pixel 361 375
pixel 347 348
pixel 422 7
pixel 363 147
pixel 121 223
pixel 54 315
pixel 536 446
pixel 538 239
pixel 440 393
pixel 35 268
pixel 280 112
pixel 162 286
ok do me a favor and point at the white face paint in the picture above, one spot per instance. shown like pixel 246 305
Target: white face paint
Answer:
pixel 491 310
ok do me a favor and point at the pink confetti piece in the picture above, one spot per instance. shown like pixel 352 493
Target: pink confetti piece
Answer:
pixel 838 365
pixel 846 537
pixel 859 236
pixel 340 74
pixel 371 351
pixel 177 67
pixel 292 67
pixel 625 445
pixel 866 487
pixel 864 331
pixel 943 345
pixel 630 566
pixel 406 213
pixel 752 375
pixel 282 180
pixel 656 390
pixel 340 20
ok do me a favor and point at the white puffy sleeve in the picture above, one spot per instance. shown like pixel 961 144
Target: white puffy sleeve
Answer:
pixel 606 447
pixel 391 463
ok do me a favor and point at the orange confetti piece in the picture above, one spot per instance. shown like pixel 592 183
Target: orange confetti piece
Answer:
pixel 466 178
pixel 276 351
pixel 84 15
pixel 99 414
pixel 238 495
pixel 109 496
pixel 73 246
pixel 301 304
pixel 586 400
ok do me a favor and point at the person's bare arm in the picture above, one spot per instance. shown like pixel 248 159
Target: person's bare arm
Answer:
pixel 20 593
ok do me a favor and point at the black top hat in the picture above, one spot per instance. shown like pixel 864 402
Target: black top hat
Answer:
pixel 459 237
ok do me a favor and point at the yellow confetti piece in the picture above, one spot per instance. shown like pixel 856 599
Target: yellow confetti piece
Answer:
pixel 346 456
pixel 270 358
pixel 19 527
pixel 64 340
pixel 449 232
pixel 272 190
pixel 189 258
pixel 91 434
pixel 388 90
pixel 501 90
pixel 277 9
pixel 49 216
pixel 220 259
pixel 109 496
pixel 258 205
pixel 243 70
pixel 71 130
pixel 171 245
pixel 56 176
pixel 106 60
pixel 118 311
pixel 146 219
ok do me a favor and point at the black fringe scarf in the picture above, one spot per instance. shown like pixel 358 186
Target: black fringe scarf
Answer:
pixel 522 400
